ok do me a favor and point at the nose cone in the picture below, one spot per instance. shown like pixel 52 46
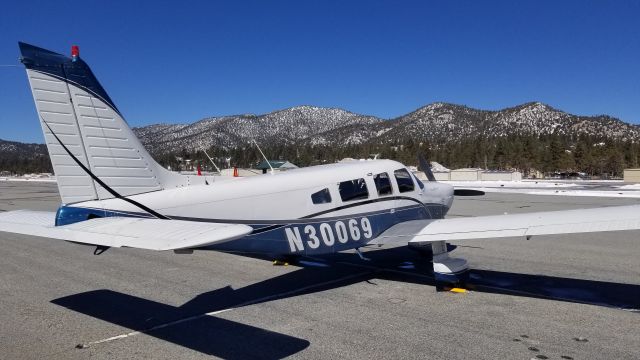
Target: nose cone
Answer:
pixel 438 193
pixel 448 191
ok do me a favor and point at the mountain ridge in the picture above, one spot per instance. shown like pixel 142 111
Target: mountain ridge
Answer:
pixel 438 122
pixel 23 157
pixel 456 135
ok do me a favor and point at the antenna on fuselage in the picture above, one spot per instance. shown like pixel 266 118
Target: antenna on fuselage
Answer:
pixel 265 158
pixel 210 159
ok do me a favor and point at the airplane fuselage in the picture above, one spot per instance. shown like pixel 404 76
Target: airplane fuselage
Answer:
pixel 307 211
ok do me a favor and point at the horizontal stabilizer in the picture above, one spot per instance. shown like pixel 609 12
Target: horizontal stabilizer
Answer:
pixel 142 233
pixel 616 218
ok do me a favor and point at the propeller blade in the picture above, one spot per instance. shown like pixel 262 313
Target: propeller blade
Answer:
pixel 426 167
pixel 467 192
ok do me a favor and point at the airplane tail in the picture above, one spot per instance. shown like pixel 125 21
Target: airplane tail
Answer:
pixel 94 153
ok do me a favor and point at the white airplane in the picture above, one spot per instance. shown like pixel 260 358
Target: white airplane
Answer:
pixel 115 195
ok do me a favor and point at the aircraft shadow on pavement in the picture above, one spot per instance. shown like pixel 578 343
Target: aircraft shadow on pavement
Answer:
pixel 206 334
pixel 232 340
pixel 211 334
pixel 602 293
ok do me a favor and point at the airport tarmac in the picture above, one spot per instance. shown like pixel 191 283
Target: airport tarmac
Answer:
pixel 552 297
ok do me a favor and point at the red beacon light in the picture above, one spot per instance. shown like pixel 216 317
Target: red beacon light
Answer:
pixel 75 52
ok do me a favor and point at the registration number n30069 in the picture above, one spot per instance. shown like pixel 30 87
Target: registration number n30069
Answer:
pixel 328 233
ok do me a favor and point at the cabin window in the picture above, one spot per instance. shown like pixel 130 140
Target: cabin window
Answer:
pixel 405 184
pixel 383 183
pixel 353 190
pixel 420 183
pixel 321 197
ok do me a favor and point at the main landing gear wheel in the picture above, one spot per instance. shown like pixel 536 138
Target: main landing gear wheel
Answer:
pixel 448 272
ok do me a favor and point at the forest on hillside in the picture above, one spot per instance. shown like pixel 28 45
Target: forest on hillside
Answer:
pixel 20 164
pixel 551 153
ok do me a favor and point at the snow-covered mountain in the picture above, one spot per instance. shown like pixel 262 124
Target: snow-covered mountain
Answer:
pixel 14 149
pixel 284 127
pixel 17 157
pixel 437 122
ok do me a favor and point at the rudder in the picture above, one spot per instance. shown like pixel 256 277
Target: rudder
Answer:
pixel 72 104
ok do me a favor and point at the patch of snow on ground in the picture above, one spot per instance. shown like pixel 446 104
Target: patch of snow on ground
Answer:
pixel 437 167
pixel 602 188
pixel 510 184
pixel 28 179
pixel 630 187
pixel 595 193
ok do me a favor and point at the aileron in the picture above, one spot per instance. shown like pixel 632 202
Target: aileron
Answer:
pixel 542 223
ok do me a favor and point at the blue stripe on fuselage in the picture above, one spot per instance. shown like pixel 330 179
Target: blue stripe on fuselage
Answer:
pixel 322 236
pixel 304 236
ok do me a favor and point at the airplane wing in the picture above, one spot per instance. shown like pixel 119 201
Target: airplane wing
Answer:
pixel 143 233
pixel 614 218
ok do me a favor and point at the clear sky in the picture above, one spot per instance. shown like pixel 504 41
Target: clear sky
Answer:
pixel 178 62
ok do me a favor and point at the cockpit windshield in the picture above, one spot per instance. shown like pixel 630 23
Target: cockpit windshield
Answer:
pixel 405 184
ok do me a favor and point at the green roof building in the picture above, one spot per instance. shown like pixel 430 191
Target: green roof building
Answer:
pixel 279 165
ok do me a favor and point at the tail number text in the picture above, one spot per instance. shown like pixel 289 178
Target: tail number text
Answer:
pixel 328 233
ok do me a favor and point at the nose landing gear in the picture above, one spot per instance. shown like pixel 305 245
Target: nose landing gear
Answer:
pixel 448 272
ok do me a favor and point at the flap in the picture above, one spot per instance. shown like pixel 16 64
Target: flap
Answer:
pixel 614 218
pixel 142 233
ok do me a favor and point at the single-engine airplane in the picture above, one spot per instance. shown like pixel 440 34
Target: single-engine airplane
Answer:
pixel 115 195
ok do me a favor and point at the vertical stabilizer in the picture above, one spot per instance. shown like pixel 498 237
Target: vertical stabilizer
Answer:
pixel 72 104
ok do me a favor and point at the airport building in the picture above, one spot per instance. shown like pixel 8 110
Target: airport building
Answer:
pixel 474 175
pixel 501 176
pixel 631 175
pixel 277 165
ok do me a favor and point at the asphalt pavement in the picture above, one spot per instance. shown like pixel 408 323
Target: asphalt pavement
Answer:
pixel 556 297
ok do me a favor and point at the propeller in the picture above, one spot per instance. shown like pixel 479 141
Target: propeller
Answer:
pixel 425 166
pixel 467 192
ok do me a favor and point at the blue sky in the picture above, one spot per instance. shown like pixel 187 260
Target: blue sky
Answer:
pixel 178 62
